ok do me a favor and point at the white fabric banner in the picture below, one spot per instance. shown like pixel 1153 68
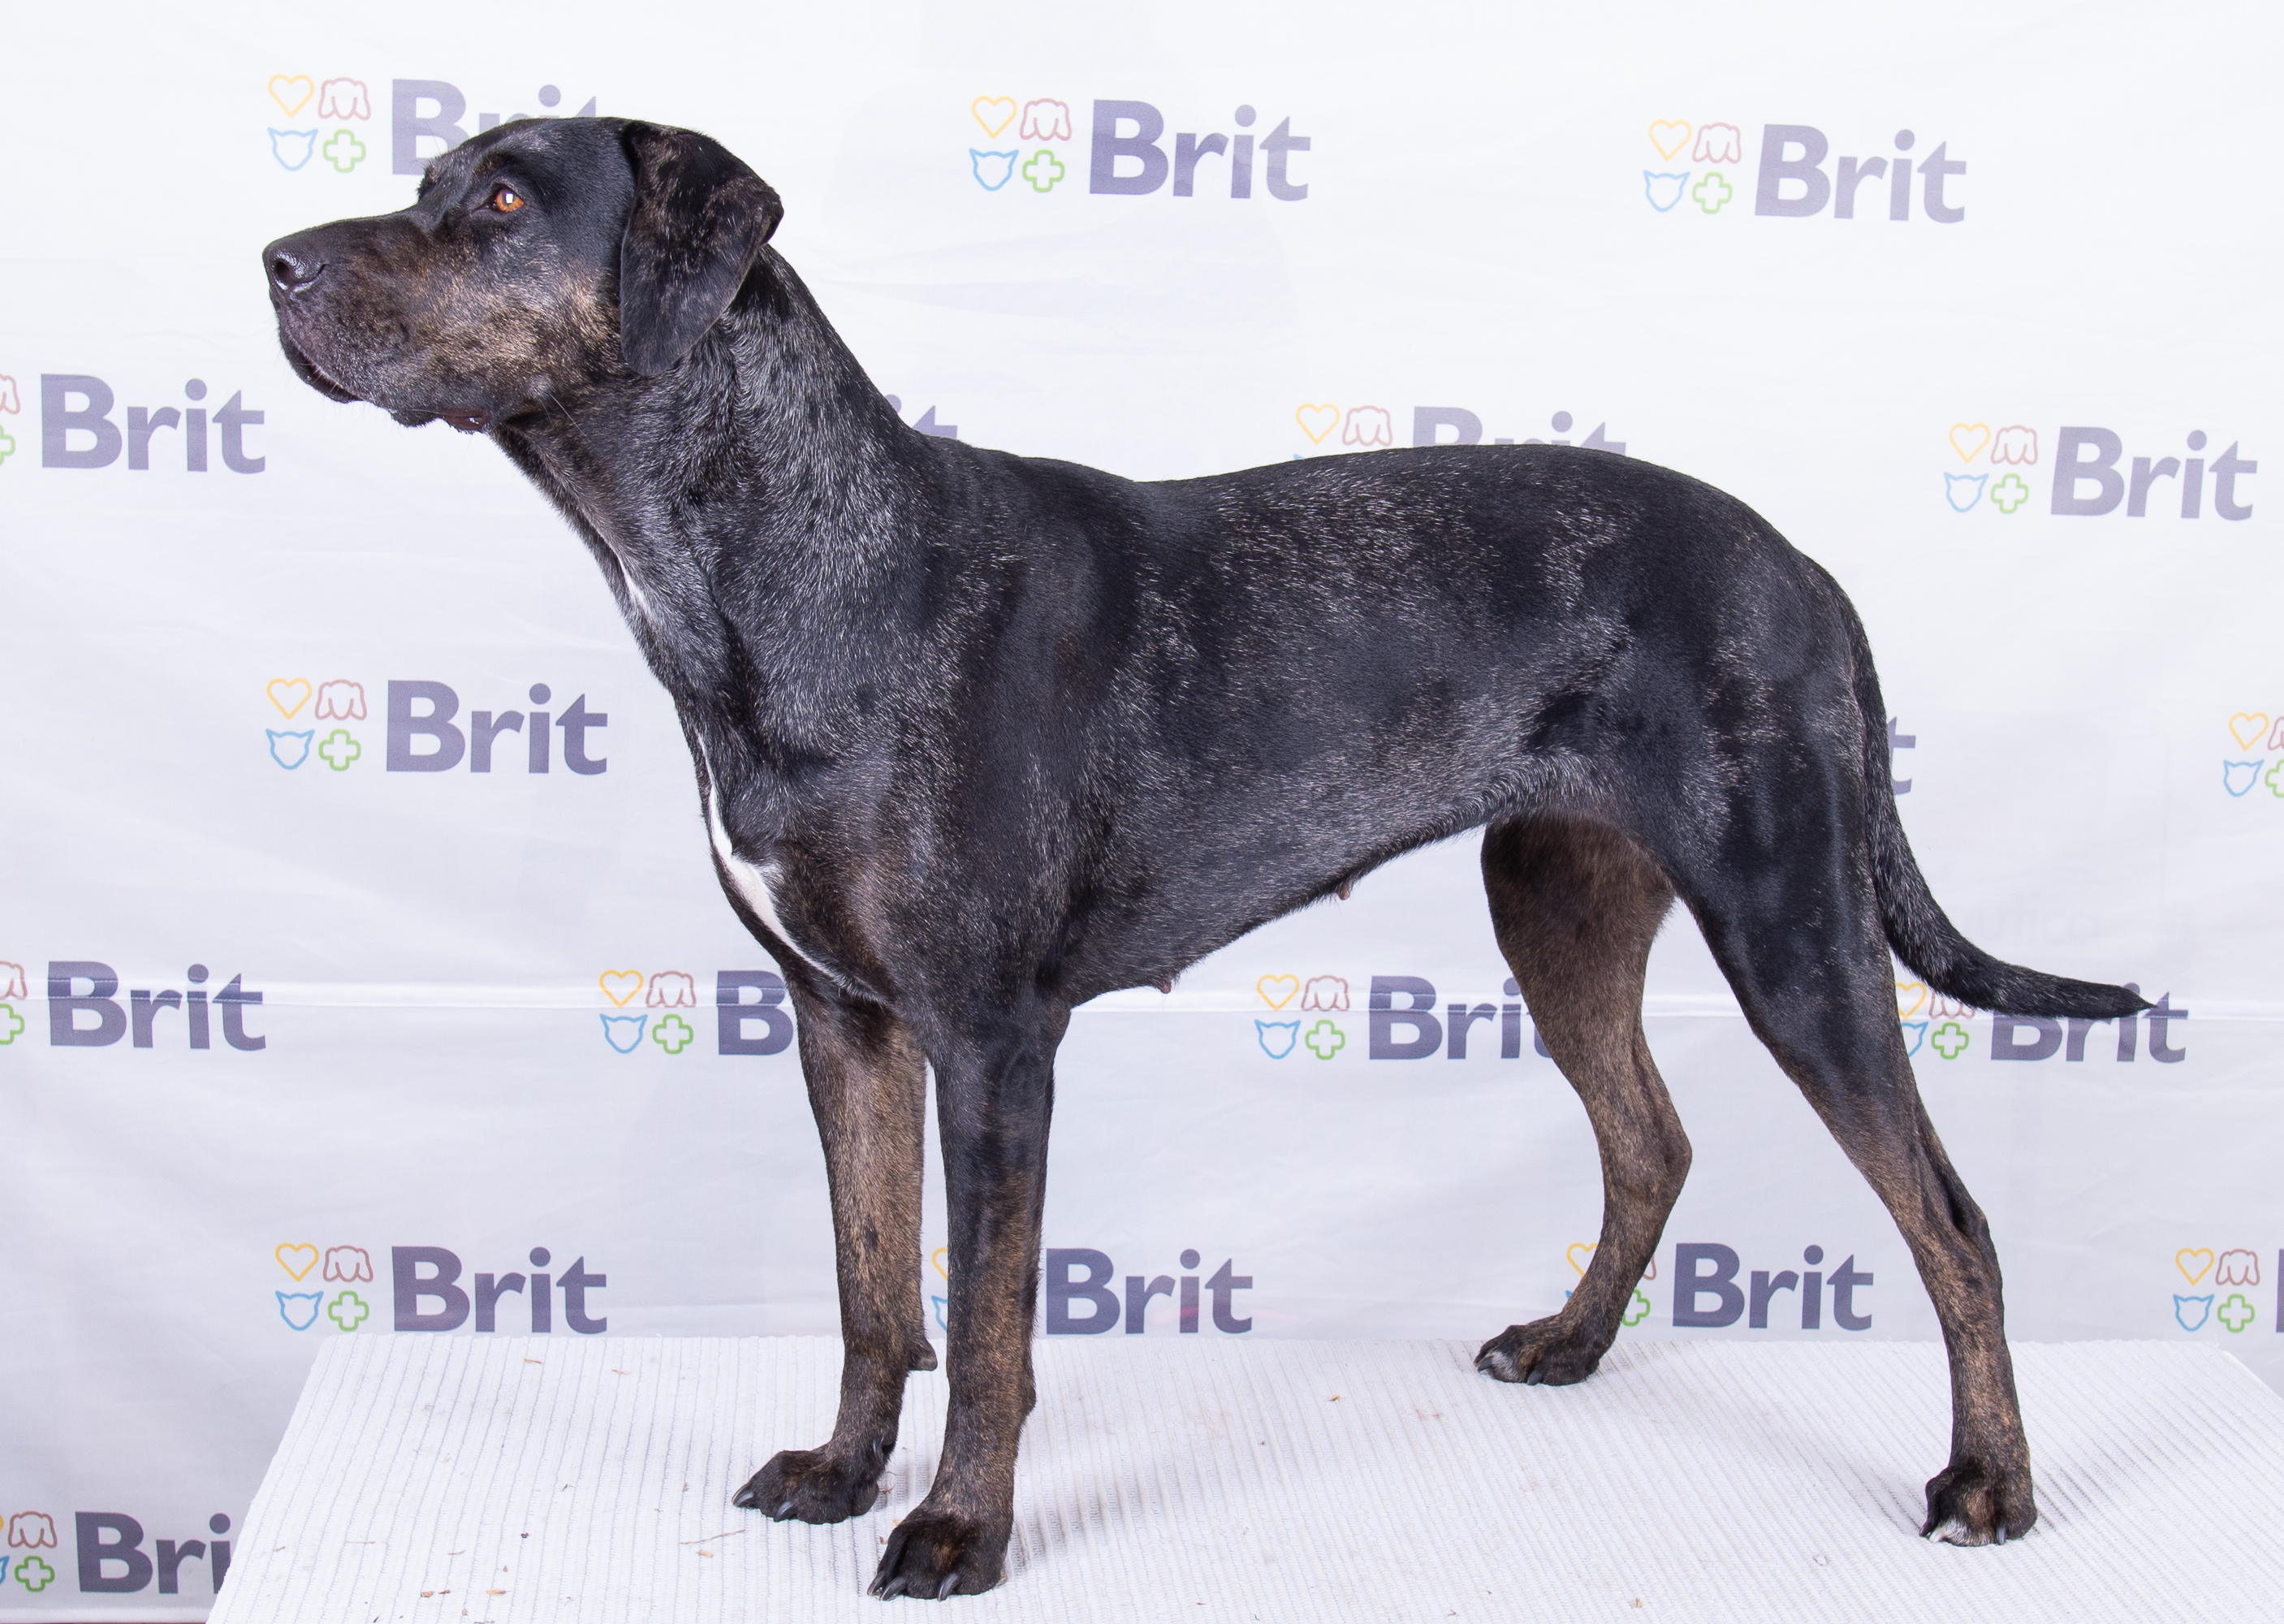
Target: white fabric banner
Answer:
pixel 363 969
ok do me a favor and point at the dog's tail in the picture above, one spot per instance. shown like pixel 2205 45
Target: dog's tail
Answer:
pixel 1918 931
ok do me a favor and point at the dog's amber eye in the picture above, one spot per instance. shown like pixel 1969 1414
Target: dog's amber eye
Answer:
pixel 507 200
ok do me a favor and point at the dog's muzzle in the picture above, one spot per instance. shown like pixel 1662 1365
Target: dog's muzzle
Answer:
pixel 291 268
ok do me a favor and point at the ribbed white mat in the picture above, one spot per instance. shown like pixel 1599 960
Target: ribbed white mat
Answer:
pixel 439 1479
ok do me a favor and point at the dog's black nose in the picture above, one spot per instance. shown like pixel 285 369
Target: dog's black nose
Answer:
pixel 292 269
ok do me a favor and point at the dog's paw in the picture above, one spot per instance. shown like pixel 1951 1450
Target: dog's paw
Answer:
pixel 815 1485
pixel 1543 1352
pixel 1972 1503
pixel 933 1555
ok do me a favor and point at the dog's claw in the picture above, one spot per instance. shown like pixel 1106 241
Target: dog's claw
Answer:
pixel 934 1554
pixel 1973 1502
pixel 1544 1353
pixel 813 1486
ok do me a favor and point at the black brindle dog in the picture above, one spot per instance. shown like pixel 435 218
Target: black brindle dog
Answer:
pixel 980 737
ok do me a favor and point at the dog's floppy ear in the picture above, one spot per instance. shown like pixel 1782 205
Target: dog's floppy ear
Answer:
pixel 699 219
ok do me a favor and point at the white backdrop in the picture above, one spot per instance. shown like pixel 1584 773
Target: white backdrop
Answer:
pixel 2014 398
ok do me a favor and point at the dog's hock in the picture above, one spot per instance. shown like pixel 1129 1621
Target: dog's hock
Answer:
pixel 699 218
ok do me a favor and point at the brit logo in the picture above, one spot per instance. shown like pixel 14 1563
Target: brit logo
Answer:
pixel 86 1011
pixel 315 124
pixel 1027 143
pixel 2088 474
pixel 1031 148
pixel 109 1554
pixel 326 727
pixel 1314 1016
pixel 77 429
pixel 1700 170
pixel 660 1010
pixel 343 1290
pixel 1329 427
pixel 1081 1300
pixel 2219 1288
pixel 1707 1269
pixel 328 123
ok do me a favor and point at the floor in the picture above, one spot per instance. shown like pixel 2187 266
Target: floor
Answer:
pixel 443 1479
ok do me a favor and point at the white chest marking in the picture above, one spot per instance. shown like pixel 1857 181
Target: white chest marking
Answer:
pixel 757 883
pixel 635 593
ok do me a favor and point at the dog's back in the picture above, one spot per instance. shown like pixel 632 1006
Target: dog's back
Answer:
pixel 1246 690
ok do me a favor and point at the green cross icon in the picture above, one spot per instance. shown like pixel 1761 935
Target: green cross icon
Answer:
pixel 1324 1040
pixel 672 1033
pixel 2009 493
pixel 34 1574
pixel 348 1311
pixel 1043 171
pixel 1712 192
pixel 2236 1313
pixel 7 444
pixel 10 1024
pixel 1637 1310
pixel 2275 788
pixel 1950 1041
pixel 339 749
pixel 344 152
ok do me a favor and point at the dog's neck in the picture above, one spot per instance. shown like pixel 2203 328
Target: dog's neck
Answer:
pixel 751 506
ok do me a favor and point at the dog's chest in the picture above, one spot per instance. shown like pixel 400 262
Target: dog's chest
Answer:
pixel 761 885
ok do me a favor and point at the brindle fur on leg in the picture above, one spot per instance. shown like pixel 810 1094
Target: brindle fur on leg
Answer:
pixel 1804 951
pixel 992 1110
pixel 1984 1495
pixel 867 1086
pixel 1576 907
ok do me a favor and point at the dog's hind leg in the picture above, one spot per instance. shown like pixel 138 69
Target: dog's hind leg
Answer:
pixel 1800 940
pixel 1576 907
pixel 868 1087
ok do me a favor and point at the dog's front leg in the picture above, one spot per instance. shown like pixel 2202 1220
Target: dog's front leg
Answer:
pixel 992 1110
pixel 868 1086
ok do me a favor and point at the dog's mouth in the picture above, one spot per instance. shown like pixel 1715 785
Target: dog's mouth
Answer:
pixel 467 419
pixel 309 371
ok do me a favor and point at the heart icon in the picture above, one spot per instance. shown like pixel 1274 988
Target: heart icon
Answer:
pixel 1968 439
pixel 941 1258
pixel 1909 996
pixel 1317 421
pixel 1669 136
pixel 611 981
pixel 289 92
pixel 285 689
pixel 1276 990
pixel 994 113
pixel 2201 1255
pixel 299 1260
pixel 2248 725
pixel 1582 1253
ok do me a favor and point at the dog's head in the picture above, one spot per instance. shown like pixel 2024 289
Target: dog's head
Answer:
pixel 542 256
